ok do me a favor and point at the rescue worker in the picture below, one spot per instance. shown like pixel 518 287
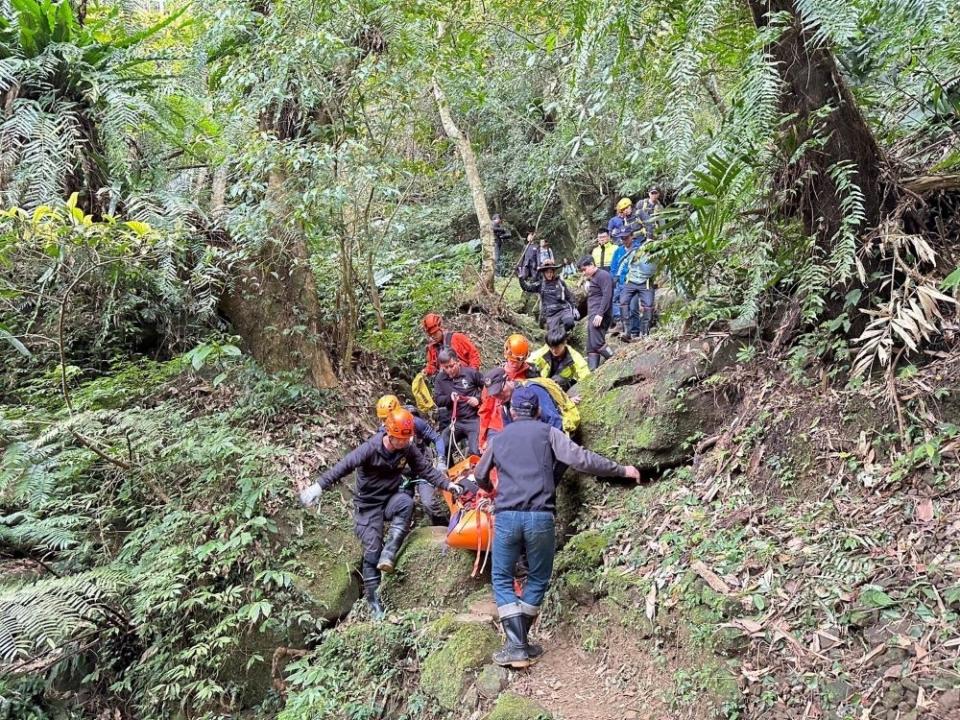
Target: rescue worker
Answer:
pixel 457 391
pixel 603 253
pixel 599 311
pixel 440 339
pixel 545 254
pixel 527 267
pixel 380 463
pixel 617 225
pixel 516 350
pixel 556 300
pixel 501 387
pixel 638 297
pixel 425 437
pixel 501 235
pixel 560 362
pixel 651 206
pixel 619 271
pixel 524 454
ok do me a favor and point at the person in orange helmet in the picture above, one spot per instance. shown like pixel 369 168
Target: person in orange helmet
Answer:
pixel 380 463
pixel 440 339
pixel 516 350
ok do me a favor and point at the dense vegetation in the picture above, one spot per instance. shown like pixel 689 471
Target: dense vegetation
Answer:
pixel 221 219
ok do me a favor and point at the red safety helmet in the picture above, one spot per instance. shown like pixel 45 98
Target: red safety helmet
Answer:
pixel 432 322
pixel 516 348
pixel 400 424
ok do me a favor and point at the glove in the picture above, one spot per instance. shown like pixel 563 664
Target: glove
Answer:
pixel 455 490
pixel 310 494
pixel 576 315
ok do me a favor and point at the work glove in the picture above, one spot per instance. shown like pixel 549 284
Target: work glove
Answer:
pixel 455 490
pixel 310 494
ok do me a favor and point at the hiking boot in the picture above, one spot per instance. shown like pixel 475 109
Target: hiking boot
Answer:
pixel 514 653
pixel 534 651
pixel 391 546
pixel 371 594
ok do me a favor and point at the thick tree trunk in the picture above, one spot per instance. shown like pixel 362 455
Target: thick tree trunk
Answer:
pixel 812 82
pixel 473 180
pixel 273 304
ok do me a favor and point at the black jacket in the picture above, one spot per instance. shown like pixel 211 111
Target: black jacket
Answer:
pixel 600 294
pixel 555 297
pixel 380 472
pixel 529 262
pixel 524 453
pixel 468 382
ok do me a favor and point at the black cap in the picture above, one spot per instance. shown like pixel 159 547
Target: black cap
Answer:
pixel 494 380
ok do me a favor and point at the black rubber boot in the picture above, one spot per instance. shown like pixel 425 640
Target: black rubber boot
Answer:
pixel 534 651
pixel 606 353
pixel 399 528
pixel 593 361
pixel 514 653
pixel 371 591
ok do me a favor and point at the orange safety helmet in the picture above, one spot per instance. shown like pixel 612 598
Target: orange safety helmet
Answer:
pixel 386 404
pixel 516 348
pixel 400 424
pixel 432 322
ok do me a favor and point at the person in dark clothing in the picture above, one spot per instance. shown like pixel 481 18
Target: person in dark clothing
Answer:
pixel 599 311
pixel 501 235
pixel 556 300
pixel 457 391
pixel 529 262
pixel 524 453
pixel 380 463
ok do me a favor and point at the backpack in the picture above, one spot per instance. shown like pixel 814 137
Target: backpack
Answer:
pixel 422 394
pixel 568 409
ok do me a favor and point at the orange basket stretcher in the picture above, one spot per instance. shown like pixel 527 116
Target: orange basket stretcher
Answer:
pixel 471 518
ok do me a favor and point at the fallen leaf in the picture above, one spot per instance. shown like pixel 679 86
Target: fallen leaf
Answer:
pixel 651 602
pixel 925 510
pixel 710 577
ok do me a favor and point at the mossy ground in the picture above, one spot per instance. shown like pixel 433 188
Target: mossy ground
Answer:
pixel 515 707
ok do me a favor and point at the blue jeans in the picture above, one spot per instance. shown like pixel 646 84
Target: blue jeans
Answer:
pixel 514 532
pixel 636 302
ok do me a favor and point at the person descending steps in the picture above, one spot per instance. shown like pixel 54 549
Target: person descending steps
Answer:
pixel 524 454
pixel 380 463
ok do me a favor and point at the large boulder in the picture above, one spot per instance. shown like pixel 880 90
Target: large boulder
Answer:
pixel 648 403
pixel 431 574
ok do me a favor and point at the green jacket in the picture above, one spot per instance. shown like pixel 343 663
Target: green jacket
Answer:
pixel 570 369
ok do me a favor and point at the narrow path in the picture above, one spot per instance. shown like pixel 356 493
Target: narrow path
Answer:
pixel 576 685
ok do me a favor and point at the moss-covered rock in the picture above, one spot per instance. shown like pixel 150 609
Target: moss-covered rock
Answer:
pixel 510 706
pixel 329 558
pixel 644 405
pixel 583 552
pixel 447 671
pixel 431 574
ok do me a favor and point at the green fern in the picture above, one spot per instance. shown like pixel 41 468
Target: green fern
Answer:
pixel 41 618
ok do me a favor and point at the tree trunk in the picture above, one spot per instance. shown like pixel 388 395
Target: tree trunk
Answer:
pixel 813 82
pixel 575 215
pixel 473 180
pixel 273 304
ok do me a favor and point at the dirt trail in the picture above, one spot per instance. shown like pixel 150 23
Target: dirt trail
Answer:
pixel 576 685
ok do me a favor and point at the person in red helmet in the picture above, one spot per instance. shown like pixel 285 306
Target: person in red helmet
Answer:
pixel 380 463
pixel 441 339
